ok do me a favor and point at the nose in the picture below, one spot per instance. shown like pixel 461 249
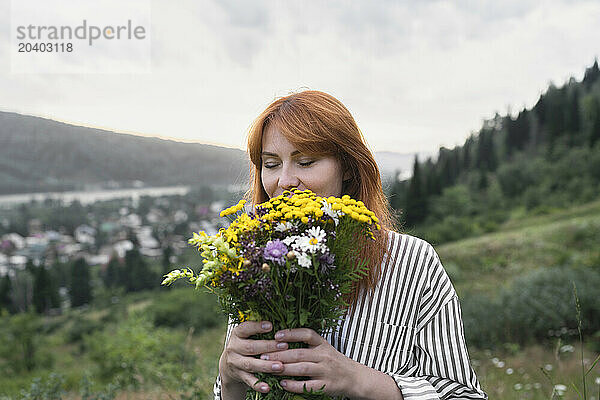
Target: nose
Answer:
pixel 287 180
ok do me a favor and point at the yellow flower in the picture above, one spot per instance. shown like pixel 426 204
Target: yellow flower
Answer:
pixel 304 220
pixel 364 219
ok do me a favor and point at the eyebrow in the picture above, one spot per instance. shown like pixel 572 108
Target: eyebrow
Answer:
pixel 266 153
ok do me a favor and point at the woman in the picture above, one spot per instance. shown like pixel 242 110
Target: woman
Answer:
pixel 403 336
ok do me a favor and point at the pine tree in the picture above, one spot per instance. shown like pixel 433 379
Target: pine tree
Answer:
pixel 573 114
pixel 398 194
pixel 111 274
pixel 595 126
pixel 5 289
pixel 166 259
pixel 80 290
pixel 591 75
pixel 45 292
pixel 556 104
pixel 466 153
pixel 517 132
pixel 137 274
pixel 540 110
pixel 416 206
pixel 431 179
pixel 485 157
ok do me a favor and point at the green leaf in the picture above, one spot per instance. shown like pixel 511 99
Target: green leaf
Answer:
pixel 304 314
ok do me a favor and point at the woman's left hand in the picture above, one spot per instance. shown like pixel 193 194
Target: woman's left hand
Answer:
pixel 320 361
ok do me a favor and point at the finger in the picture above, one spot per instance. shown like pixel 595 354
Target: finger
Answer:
pixel 249 328
pixel 251 364
pixel 304 368
pixel 254 383
pixel 292 356
pixel 298 386
pixel 251 347
pixel 305 335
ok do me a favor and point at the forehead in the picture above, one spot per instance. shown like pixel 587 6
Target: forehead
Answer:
pixel 273 138
pixel 274 141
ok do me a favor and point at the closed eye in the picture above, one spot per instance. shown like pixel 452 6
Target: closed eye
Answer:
pixel 270 165
pixel 306 163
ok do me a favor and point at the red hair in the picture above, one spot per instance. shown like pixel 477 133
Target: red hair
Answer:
pixel 317 123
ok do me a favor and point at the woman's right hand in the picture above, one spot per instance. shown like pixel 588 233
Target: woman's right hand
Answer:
pixel 238 364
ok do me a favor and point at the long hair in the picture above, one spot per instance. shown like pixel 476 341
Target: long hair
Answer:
pixel 317 123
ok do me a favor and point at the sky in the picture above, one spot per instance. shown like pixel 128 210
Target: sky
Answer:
pixel 416 75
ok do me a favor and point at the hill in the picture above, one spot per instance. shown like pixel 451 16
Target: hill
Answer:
pixel 38 154
pixel 543 158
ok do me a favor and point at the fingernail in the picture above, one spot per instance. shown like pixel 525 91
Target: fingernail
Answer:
pixel 281 346
pixel 264 357
pixel 266 326
pixel 283 383
pixel 276 367
pixel 278 335
pixel 264 387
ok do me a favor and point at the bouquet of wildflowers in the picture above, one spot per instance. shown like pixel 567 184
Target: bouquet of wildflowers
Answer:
pixel 290 261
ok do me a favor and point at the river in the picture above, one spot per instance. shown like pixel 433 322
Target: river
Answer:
pixel 91 196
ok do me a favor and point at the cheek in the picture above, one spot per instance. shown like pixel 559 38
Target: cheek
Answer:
pixel 268 183
pixel 328 180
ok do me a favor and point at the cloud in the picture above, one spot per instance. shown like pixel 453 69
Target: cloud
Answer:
pixel 416 75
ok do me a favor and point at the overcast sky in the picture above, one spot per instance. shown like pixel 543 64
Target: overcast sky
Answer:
pixel 416 75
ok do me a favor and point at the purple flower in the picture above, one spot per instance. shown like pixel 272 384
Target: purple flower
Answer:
pixel 326 261
pixel 275 251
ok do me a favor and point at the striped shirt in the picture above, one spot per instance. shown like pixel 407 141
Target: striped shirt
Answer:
pixel 410 328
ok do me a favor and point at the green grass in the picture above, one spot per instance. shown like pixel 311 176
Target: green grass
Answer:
pixel 517 374
pixel 486 263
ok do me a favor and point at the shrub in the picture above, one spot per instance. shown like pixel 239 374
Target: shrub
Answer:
pixel 50 389
pixel 22 344
pixel 135 352
pixel 80 327
pixel 535 307
pixel 53 388
pixel 186 308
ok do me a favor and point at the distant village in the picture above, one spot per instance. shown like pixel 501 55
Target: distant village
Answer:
pixel 98 240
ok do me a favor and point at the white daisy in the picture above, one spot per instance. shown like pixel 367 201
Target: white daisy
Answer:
pixel 313 241
pixel 290 240
pixel 304 260
pixel 328 210
pixel 284 226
